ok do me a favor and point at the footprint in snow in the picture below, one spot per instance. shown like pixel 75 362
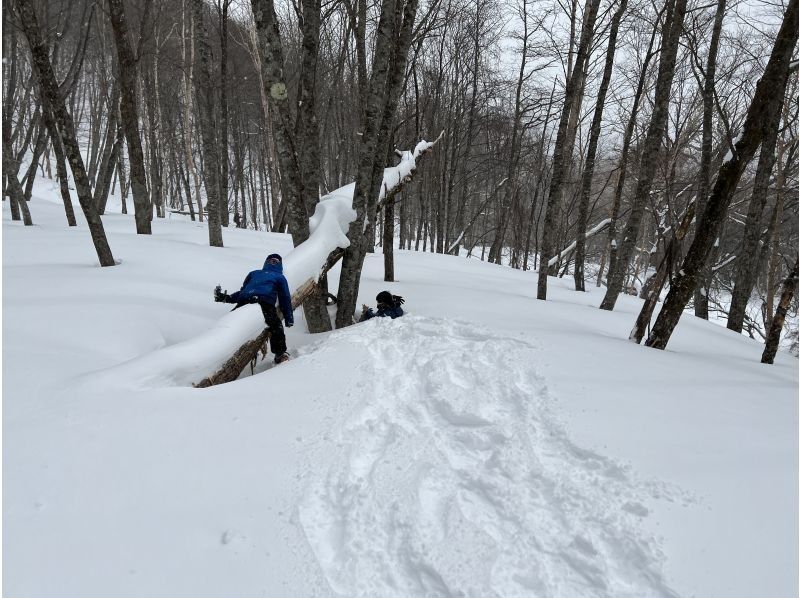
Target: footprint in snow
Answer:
pixel 454 477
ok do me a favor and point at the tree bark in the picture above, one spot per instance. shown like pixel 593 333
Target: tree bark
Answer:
pixel 298 195
pixel 307 126
pixel 764 112
pixel 53 102
pixel 622 168
pixel 652 289
pixel 749 256
pixel 205 100
pixel 652 145
pixel 391 51
pixel 562 152
pixel 588 168
pixel 126 61
pixel 110 149
pixel 701 293
pixel 187 60
pixel 15 193
pixel 774 334
pixel 61 168
pixel 224 211
pixel 388 241
pixel 38 149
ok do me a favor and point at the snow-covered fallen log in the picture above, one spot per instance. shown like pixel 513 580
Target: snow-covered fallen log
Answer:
pixel 220 354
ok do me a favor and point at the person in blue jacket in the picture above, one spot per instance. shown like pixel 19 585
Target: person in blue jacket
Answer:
pixel 388 306
pixel 264 287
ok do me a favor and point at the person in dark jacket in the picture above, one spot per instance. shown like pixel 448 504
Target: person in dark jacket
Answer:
pixel 264 287
pixel 388 305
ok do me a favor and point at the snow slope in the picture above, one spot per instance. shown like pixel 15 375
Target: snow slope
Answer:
pixel 486 444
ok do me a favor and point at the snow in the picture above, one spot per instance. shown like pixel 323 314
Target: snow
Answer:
pixel 485 444
pixel 332 216
pixel 731 148
pixel 571 247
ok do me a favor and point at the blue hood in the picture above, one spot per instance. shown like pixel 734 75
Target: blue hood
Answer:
pixel 272 267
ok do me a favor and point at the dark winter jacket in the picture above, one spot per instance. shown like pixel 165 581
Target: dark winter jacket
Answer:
pixel 267 285
pixel 383 311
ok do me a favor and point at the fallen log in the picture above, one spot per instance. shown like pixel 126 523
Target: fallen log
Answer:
pixel 248 352
pixel 395 179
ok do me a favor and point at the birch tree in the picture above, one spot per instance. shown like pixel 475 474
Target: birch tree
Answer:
pixel 53 102
pixel 763 114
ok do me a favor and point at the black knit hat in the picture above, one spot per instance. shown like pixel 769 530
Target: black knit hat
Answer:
pixel 385 297
pixel 276 256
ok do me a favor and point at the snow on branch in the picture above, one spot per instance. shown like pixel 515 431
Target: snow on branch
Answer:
pixel 220 354
pixel 571 247
pixel 334 213
pixel 724 262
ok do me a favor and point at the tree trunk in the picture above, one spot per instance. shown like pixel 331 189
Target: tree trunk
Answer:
pixel 15 193
pixel 701 292
pixel 126 61
pixel 156 168
pixel 53 102
pixel 122 173
pixel 307 126
pixel 772 250
pixel 188 83
pixel 39 147
pixel 388 241
pixel 774 334
pixel 205 100
pixel 747 260
pixel 61 168
pixel 224 210
pixel 588 168
pixel 652 289
pixel 652 146
pixel 297 195
pixel 391 52
pixel 562 153
pixel 763 114
pixel 110 149
pixel 625 155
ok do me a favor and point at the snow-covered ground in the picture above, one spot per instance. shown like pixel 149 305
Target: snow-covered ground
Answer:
pixel 486 444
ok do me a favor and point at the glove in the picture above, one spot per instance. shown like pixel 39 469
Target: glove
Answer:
pixel 398 300
pixel 219 296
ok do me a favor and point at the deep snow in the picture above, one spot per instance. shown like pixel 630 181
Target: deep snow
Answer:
pixel 485 444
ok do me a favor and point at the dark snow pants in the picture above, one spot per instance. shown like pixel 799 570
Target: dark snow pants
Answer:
pixel 277 338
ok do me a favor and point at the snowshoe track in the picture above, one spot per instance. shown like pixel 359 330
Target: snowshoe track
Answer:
pixel 454 478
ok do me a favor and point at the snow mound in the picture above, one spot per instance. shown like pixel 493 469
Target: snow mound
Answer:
pixel 183 363
pixel 452 477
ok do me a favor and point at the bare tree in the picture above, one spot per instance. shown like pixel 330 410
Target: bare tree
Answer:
pixel 764 114
pixel 673 26
pixel 130 115
pixel 66 128
pixel 774 335
pixel 205 99
pixel 562 153
pixel 298 194
pixel 388 68
pixel 591 152
pixel 704 176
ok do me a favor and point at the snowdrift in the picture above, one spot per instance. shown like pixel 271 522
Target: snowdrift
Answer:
pixel 485 444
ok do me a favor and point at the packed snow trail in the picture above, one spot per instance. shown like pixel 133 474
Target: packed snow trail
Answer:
pixel 453 478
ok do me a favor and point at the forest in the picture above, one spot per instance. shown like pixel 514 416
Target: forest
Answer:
pixel 633 145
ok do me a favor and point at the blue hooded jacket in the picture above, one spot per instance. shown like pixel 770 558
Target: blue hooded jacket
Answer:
pixel 267 285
